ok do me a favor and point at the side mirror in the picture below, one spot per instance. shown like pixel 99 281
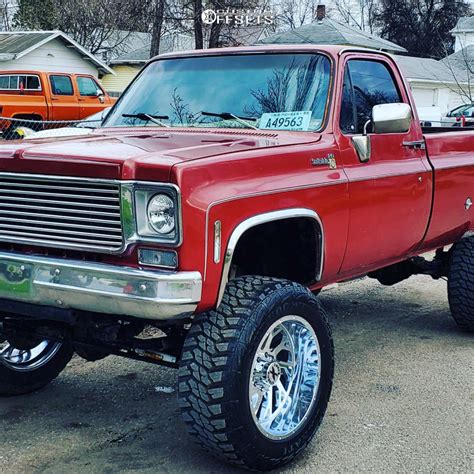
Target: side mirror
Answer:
pixel 391 118
pixel 386 118
pixel 100 95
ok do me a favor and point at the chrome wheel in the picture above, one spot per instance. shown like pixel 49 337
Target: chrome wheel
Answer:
pixel 285 377
pixel 28 359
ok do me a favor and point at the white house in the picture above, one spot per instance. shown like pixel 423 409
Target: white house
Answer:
pixel 463 33
pixel 436 87
pixel 47 51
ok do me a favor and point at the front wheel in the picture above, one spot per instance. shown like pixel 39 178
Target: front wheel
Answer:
pixel 256 373
pixel 27 365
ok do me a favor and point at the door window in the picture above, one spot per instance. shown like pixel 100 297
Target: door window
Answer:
pixel 372 84
pixel 348 111
pixel 87 86
pixel 61 85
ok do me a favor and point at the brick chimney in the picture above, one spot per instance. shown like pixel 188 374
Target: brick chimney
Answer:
pixel 320 12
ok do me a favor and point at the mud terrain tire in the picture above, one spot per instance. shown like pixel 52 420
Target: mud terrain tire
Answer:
pixel 218 366
pixel 461 284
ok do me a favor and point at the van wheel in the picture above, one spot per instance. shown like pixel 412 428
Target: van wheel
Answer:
pixel 256 373
pixel 461 284
pixel 28 365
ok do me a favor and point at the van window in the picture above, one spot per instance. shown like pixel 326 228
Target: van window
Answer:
pixel 61 85
pixel 87 86
pixel 26 82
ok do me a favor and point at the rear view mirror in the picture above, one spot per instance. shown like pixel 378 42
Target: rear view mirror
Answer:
pixel 391 118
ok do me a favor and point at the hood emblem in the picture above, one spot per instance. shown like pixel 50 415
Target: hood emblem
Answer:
pixel 329 160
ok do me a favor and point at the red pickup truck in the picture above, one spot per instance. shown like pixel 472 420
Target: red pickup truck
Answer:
pixel 225 190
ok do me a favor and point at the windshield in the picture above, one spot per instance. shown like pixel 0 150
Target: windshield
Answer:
pixel 458 111
pixel 266 91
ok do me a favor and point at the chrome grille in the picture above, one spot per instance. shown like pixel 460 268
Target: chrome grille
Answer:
pixel 60 212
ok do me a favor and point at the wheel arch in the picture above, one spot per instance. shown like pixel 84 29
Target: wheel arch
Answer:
pixel 26 116
pixel 259 220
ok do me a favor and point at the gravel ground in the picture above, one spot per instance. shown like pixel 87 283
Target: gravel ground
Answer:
pixel 403 400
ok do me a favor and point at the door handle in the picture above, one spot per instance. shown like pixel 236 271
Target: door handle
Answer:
pixel 415 145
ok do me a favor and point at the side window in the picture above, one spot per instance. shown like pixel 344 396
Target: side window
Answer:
pixel 22 82
pixel 4 82
pixel 61 85
pixel 33 83
pixel 87 86
pixel 372 84
pixel 347 120
pixel 25 82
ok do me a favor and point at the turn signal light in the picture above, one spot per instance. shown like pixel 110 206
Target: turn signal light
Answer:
pixel 158 258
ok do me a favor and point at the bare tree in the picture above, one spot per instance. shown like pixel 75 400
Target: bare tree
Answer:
pixel 92 23
pixel 422 27
pixel 158 11
pixel 7 9
pixel 293 14
pixel 461 68
pixel 359 13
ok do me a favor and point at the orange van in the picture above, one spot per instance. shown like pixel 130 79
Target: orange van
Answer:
pixel 36 95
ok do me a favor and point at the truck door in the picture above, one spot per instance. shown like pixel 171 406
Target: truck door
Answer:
pixel 390 195
pixel 91 96
pixel 64 103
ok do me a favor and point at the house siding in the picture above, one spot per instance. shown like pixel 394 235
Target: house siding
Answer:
pixel 124 75
pixel 53 56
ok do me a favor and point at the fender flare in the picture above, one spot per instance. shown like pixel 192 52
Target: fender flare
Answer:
pixel 264 218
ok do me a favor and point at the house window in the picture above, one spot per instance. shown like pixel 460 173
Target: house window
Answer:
pixel 61 85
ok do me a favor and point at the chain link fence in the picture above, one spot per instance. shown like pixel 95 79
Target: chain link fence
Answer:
pixel 21 129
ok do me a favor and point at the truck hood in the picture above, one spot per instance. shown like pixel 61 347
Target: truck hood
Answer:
pixel 138 153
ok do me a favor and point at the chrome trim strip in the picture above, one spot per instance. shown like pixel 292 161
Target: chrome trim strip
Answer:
pixel 97 287
pixel 263 219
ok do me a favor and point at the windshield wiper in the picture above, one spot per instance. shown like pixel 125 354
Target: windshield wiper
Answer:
pixel 149 118
pixel 230 116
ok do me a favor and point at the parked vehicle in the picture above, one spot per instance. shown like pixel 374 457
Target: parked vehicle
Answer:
pixel 460 116
pixel 88 125
pixel 37 95
pixel 216 214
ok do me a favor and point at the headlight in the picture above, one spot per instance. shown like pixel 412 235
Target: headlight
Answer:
pixel 156 213
pixel 162 214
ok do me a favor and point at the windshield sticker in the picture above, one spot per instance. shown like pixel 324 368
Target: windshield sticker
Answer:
pixel 296 121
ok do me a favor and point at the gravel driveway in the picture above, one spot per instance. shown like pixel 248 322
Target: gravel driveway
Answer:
pixel 403 400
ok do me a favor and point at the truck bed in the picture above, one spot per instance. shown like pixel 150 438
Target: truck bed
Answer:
pixel 451 156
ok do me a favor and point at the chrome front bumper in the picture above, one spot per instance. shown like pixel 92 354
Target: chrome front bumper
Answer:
pixel 98 287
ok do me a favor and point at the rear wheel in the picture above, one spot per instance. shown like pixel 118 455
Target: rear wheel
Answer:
pixel 256 374
pixel 461 284
pixel 28 365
